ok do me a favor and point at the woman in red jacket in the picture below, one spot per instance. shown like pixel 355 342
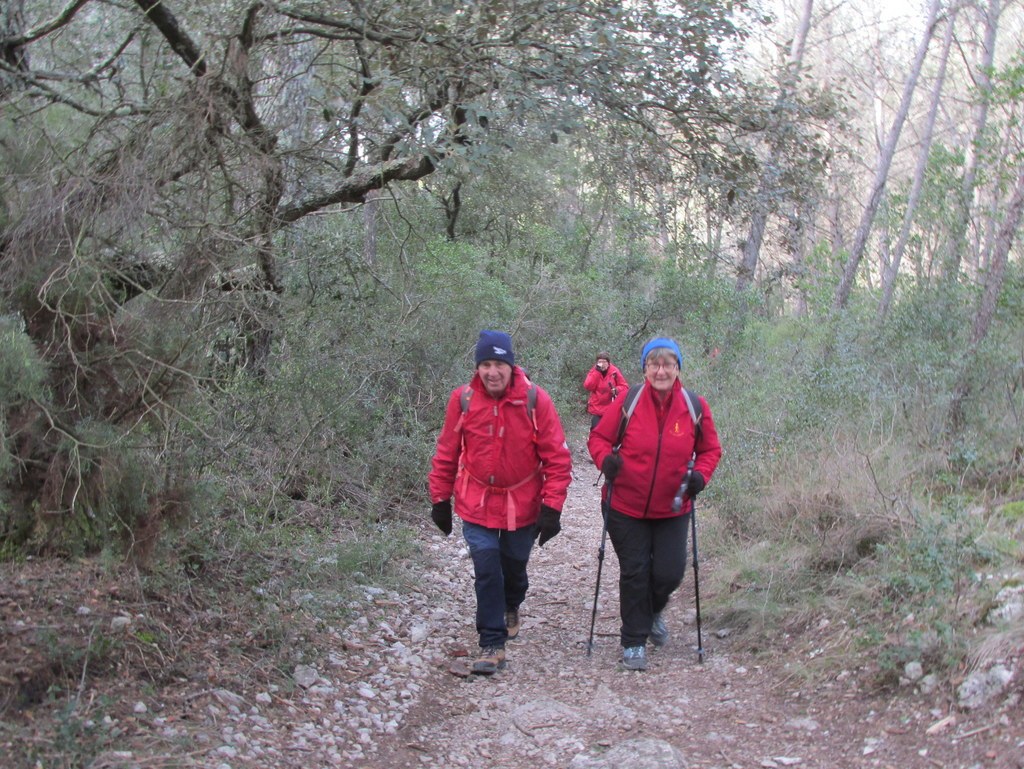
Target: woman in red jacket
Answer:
pixel 643 476
pixel 605 383
pixel 502 453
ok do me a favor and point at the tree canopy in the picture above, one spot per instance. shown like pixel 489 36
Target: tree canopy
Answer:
pixel 179 140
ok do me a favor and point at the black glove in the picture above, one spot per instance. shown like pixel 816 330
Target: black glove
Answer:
pixel 547 524
pixel 441 514
pixel 611 466
pixel 695 485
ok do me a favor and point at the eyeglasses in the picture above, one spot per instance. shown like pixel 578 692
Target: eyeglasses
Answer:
pixel 662 365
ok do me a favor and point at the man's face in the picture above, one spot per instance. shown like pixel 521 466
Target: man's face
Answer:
pixel 602 364
pixel 495 374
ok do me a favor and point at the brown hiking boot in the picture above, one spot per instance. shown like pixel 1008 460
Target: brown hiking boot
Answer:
pixel 512 623
pixel 491 660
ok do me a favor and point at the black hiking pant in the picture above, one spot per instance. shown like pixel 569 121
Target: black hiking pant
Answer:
pixel 652 562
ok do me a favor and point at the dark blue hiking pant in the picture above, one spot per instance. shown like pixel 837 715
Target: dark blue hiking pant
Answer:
pixel 499 567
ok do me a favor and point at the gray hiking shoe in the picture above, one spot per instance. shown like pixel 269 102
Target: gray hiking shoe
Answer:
pixel 634 658
pixel 491 660
pixel 659 630
pixel 512 623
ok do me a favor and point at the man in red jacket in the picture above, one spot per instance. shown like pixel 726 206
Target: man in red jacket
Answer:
pixel 643 476
pixel 605 383
pixel 502 453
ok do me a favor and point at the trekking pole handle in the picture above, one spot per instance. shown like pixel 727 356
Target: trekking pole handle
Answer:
pixel 677 500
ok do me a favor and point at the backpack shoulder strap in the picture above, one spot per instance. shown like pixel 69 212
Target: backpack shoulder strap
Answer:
pixel 693 405
pixel 464 396
pixel 696 409
pixel 628 405
pixel 531 404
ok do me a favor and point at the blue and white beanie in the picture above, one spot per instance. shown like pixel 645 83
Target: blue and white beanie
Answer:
pixel 656 343
pixel 494 345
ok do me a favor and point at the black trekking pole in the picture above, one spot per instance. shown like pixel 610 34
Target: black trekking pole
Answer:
pixel 696 577
pixel 605 508
pixel 677 505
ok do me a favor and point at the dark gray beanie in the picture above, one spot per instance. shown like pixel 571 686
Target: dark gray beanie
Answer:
pixel 494 345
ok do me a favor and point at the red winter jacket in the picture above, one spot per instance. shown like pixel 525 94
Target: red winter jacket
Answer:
pixel 489 458
pixel 601 386
pixel 655 453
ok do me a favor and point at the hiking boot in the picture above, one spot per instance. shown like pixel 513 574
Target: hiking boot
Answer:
pixel 491 660
pixel 512 623
pixel 659 630
pixel 634 658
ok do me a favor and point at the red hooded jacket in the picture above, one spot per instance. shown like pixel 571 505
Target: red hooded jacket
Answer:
pixel 601 387
pixel 655 453
pixel 490 459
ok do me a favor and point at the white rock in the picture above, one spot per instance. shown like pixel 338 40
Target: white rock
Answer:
pixel 305 676
pixel 913 670
pixel 981 686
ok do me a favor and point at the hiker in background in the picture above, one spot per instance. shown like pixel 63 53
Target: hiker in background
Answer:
pixel 502 453
pixel 645 467
pixel 604 382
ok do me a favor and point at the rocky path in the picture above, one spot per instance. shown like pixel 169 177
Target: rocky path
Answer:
pixel 389 690
pixel 555 706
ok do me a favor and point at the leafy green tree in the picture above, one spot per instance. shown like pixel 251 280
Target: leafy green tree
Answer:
pixel 180 148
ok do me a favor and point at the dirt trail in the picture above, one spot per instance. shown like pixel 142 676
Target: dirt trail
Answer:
pixel 555 706
pixel 379 693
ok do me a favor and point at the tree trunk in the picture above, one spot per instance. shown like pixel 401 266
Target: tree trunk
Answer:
pixel 989 298
pixel 763 203
pixel 13 54
pixel 887 150
pixel 752 248
pixel 893 266
pixel 958 238
pixel 370 227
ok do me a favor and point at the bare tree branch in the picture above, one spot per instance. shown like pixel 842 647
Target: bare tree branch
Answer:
pixel 179 40
pixel 45 28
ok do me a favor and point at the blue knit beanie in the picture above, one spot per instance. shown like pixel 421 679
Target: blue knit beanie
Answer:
pixel 660 341
pixel 494 345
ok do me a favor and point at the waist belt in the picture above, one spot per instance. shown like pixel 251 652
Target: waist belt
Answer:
pixel 510 502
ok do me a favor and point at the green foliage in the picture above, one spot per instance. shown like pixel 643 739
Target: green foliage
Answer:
pixel 22 372
pixel 935 563
pixel 372 558
pixel 22 380
pixel 838 465
pixel 1014 511
pixel 74 740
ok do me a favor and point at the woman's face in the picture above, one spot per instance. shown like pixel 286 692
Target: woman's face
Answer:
pixel 661 371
